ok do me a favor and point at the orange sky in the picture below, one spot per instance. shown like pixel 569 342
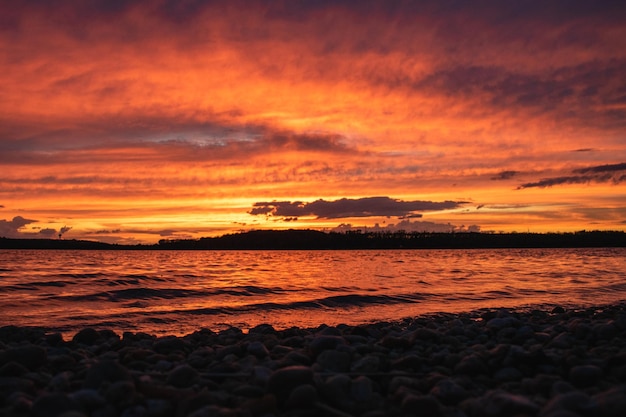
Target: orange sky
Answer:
pixel 137 121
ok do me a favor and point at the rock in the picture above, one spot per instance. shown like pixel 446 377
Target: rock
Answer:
pixel 13 368
pixel 562 341
pixel 576 402
pixel 284 380
pixel 262 329
pixel 605 331
pixel 120 393
pixel 105 370
pixel 257 349
pixel 87 336
pixel 170 344
pixel 585 375
pixel 361 389
pixel 9 384
pixel 611 403
pixel 421 405
pixel 182 376
pixel 448 392
pixel 366 364
pixel 303 396
pixel 500 403
pixel 88 399
pixel 337 388
pixel 30 356
pixel 334 361
pixel 53 404
pixel 471 365
pixel 507 374
pixel 325 342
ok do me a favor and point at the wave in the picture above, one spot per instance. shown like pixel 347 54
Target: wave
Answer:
pixel 142 293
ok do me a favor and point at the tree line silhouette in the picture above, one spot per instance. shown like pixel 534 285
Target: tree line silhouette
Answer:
pixel 306 239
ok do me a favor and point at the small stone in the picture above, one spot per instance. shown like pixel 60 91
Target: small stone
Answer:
pixel 334 361
pixel 105 370
pixel 325 342
pixel 282 381
pixel 562 341
pixel 182 376
pixel 120 393
pixel 303 396
pixel 420 405
pixel 169 344
pixel 585 375
pixel 88 399
pixel 257 349
pixel 448 392
pixel 576 402
pixel 471 365
pixel 361 389
pixel 262 329
pixel 13 368
pixel 30 356
pixel 53 404
pixel 87 336
pixel 502 403
pixel 366 364
pixel 611 403
pixel 507 374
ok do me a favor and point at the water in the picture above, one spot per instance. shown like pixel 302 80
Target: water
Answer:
pixel 178 292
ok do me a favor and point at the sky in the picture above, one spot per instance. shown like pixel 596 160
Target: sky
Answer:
pixel 135 121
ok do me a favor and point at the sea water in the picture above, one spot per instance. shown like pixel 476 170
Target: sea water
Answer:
pixel 178 292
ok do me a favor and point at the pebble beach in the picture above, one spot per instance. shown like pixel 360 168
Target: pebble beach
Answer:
pixel 490 362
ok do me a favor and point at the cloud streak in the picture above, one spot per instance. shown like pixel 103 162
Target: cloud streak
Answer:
pixel 610 173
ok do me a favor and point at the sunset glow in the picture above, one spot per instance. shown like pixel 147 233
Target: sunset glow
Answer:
pixel 138 121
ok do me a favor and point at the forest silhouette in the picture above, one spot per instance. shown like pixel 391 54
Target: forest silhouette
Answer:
pixel 306 239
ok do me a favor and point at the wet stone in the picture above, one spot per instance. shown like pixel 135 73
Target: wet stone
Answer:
pixel 182 376
pixel 325 342
pixel 585 375
pixel 334 361
pixel 421 405
pixel 575 402
pixel 303 396
pixel 87 336
pixel 53 404
pixel 282 381
pixel 105 371
pixel 29 356
pixel 257 349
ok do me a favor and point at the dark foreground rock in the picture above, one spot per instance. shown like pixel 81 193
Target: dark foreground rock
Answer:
pixel 490 363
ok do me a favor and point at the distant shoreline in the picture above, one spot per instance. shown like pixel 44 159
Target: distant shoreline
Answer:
pixel 296 239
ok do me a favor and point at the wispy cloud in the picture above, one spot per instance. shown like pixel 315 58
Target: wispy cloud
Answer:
pixel 615 173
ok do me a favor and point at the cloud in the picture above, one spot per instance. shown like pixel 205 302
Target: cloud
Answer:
pixel 504 175
pixel 346 207
pixel 593 174
pixel 12 228
pixel 602 168
pixel 409 226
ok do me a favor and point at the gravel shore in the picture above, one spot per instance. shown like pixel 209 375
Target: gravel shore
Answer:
pixel 485 363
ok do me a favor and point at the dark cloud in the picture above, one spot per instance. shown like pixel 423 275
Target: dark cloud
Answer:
pixel 11 228
pixel 602 168
pixel 345 207
pixel 594 174
pixel 504 175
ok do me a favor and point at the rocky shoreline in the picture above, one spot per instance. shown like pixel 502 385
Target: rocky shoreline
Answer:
pixel 488 363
